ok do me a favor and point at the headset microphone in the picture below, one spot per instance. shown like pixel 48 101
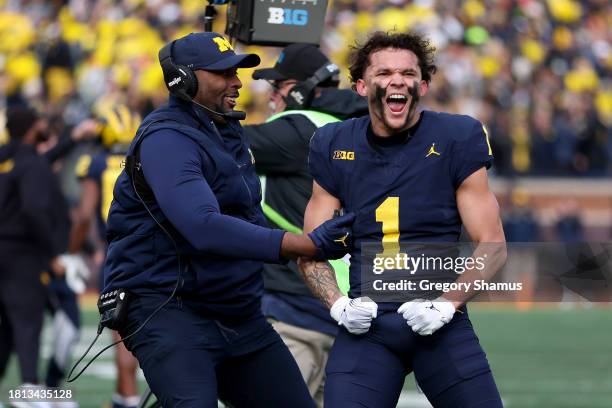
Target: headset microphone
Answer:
pixel 237 115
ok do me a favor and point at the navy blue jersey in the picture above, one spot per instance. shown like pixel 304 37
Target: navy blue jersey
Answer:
pixel 404 192
pixel 103 168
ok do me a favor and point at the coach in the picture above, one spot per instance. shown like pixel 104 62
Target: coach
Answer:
pixel 193 192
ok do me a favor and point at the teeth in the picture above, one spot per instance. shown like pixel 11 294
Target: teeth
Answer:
pixel 397 97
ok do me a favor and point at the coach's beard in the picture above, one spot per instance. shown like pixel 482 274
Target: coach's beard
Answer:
pixel 378 100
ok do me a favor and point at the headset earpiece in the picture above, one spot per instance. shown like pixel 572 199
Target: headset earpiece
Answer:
pixel 301 95
pixel 179 79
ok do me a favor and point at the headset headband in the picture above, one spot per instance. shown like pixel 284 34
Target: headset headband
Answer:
pixel 301 94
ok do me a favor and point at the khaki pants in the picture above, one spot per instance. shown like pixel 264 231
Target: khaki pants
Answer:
pixel 310 350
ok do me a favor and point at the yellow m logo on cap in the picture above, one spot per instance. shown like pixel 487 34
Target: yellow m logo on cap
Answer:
pixel 223 44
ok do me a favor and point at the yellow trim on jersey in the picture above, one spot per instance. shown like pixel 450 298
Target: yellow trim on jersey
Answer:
pixel 82 166
pixel 109 177
pixel 486 132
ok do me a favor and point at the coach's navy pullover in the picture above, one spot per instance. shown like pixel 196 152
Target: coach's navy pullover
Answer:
pixel 205 186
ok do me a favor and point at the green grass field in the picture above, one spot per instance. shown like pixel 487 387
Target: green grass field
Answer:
pixel 540 358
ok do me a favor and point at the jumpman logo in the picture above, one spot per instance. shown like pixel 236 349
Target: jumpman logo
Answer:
pixel 342 240
pixel 432 150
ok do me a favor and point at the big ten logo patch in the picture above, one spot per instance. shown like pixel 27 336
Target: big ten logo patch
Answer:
pixel 343 155
pixel 296 17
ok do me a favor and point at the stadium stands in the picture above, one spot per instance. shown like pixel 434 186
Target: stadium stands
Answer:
pixel 535 72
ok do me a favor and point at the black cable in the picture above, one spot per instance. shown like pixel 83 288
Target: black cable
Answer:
pixel 82 357
pixel 178 281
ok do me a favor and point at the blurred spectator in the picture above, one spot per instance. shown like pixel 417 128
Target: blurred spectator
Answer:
pixel 33 232
pixel 584 272
pixel 62 291
pixel 569 227
pixel 520 224
pixel 521 229
pixel 97 174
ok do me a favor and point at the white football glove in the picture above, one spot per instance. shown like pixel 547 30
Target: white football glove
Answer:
pixel 354 314
pixel 77 272
pixel 425 317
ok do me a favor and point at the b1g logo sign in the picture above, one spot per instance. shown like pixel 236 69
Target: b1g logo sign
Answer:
pixel 279 22
pixel 296 17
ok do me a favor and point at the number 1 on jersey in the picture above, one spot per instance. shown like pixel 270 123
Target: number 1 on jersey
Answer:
pixel 388 214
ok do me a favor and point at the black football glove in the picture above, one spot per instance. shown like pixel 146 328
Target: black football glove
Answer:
pixel 333 238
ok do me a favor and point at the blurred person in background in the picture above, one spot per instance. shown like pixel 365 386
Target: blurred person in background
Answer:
pixel 280 147
pixel 33 234
pixel 63 291
pixel 559 263
pixel 520 224
pixel 521 228
pixel 568 224
pixel 97 174
pixel 583 268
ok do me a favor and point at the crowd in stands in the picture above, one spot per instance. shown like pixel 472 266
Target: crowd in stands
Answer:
pixel 536 72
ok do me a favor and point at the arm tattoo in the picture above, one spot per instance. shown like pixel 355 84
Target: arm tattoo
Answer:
pixel 321 279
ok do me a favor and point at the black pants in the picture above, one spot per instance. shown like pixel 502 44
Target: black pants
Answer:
pixel 190 360
pixel 22 303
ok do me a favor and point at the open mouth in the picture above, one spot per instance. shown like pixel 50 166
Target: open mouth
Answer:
pixel 396 102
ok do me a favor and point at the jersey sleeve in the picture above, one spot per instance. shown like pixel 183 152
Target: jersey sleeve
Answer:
pixel 90 167
pixel 185 197
pixel 472 154
pixel 320 161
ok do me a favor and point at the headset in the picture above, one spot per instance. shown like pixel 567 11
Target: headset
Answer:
pixel 182 82
pixel 300 96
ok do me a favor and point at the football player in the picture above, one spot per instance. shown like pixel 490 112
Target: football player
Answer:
pixel 98 173
pixel 410 175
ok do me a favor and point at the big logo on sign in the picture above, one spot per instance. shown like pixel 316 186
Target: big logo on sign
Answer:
pixel 287 16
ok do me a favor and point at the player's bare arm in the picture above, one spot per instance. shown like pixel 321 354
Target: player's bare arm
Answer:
pixel 320 276
pixel 354 314
pixel 321 280
pixel 479 212
pixel 90 195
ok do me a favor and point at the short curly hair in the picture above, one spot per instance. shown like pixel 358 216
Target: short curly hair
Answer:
pixel 420 46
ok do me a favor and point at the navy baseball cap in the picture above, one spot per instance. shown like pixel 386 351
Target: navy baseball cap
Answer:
pixel 296 61
pixel 210 52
